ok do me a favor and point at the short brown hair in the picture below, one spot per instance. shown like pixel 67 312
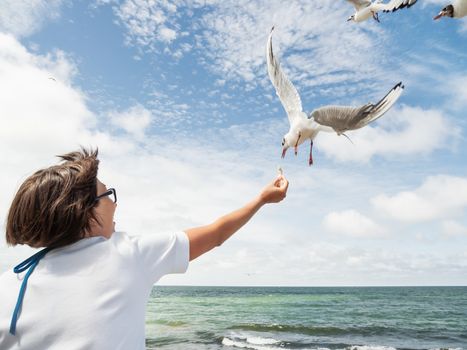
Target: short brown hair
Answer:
pixel 54 206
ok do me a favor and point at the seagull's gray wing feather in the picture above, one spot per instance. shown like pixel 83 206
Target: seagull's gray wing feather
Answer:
pixel 359 4
pixel 342 119
pixel 394 5
pixel 286 91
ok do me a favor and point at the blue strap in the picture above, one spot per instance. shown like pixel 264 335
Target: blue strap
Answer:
pixel 28 264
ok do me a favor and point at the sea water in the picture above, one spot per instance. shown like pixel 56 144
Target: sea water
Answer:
pixel 266 318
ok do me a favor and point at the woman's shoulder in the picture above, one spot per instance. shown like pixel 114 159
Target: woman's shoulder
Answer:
pixel 8 279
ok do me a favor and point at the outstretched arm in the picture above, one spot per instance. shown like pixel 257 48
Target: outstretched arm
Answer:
pixel 204 238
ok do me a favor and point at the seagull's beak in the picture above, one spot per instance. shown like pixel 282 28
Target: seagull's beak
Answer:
pixel 439 15
pixel 284 150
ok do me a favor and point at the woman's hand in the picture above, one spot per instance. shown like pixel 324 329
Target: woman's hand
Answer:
pixel 204 238
pixel 275 191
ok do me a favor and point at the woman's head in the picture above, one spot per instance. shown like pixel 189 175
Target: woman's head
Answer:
pixel 55 206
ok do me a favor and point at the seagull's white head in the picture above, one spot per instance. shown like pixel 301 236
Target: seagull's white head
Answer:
pixel 285 144
pixel 351 18
pixel 289 140
pixel 448 11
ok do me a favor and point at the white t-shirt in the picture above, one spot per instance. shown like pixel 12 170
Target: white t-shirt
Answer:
pixel 91 294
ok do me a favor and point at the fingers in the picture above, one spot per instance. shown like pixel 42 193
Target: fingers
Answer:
pixel 284 184
pixel 282 189
pixel 277 181
pixel 277 190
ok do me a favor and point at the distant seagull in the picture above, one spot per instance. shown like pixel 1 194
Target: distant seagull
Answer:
pixel 366 9
pixel 51 78
pixel 457 9
pixel 337 119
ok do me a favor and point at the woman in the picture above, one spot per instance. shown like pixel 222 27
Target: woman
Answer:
pixel 90 284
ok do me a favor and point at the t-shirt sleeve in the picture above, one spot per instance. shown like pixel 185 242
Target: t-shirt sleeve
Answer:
pixel 163 254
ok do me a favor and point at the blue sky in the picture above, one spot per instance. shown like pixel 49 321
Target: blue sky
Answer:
pixel 176 96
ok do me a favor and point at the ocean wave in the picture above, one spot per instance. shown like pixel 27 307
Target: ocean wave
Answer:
pixel 316 330
pixel 256 343
pixel 269 341
pixel 170 323
pixel 370 347
pixel 261 341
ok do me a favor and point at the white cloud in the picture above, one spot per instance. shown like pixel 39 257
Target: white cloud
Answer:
pixel 235 34
pixel 134 121
pixel 167 35
pixel 438 197
pixel 434 2
pixel 56 65
pixel 463 28
pixel 39 117
pixel 456 85
pixel 403 131
pixel 231 37
pixel 453 228
pixel 317 263
pixel 147 23
pixel 25 17
pixel 352 223
pixel 98 3
pixel 35 106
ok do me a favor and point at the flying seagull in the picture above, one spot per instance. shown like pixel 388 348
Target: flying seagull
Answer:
pixel 337 119
pixel 366 9
pixel 457 9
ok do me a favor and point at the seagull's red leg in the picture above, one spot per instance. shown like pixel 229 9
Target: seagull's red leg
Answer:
pixel 296 144
pixel 375 16
pixel 310 161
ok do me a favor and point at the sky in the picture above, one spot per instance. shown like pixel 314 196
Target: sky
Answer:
pixel 175 95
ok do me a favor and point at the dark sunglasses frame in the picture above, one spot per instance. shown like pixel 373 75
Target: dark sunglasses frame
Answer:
pixel 110 191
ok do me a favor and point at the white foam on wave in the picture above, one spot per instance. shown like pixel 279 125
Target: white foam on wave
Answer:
pixel 261 341
pixel 371 347
pixel 258 343
pixel 255 343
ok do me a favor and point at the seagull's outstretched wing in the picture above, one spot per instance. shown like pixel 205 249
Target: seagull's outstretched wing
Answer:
pixel 342 118
pixel 359 4
pixel 394 5
pixel 287 93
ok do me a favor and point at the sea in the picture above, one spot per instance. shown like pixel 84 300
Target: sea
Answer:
pixel 315 318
